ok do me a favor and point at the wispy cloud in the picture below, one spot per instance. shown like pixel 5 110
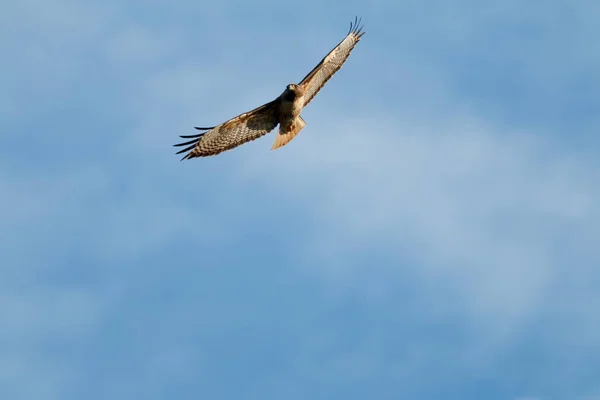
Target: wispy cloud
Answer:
pixel 431 233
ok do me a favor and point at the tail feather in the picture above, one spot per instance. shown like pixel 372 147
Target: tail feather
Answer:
pixel 284 138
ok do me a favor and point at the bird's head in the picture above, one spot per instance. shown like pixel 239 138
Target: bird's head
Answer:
pixel 292 92
pixel 297 90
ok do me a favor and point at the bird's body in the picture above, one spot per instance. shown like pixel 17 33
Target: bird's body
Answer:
pixel 283 111
pixel 290 121
pixel 292 102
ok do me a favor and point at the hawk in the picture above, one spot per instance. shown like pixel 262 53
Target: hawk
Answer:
pixel 283 111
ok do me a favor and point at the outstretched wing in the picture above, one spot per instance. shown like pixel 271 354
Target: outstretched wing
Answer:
pixel 230 134
pixel 316 79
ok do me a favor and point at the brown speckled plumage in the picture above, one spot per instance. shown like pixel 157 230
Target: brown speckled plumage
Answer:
pixel 283 111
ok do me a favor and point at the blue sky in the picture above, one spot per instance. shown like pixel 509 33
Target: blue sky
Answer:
pixel 432 232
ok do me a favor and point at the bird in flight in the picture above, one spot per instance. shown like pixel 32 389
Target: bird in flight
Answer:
pixel 283 111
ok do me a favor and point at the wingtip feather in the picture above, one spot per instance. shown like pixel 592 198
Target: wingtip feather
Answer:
pixel 356 27
pixel 186 143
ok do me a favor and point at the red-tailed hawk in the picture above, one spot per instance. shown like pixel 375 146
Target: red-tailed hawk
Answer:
pixel 283 111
